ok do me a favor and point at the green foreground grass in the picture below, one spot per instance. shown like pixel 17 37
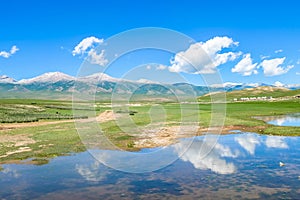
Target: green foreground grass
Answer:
pixel 50 141
pixel 22 111
pixel 59 139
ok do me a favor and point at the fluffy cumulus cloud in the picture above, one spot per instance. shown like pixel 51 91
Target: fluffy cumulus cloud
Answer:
pixel 87 46
pixel 246 67
pixel 97 58
pixel 7 54
pixel 278 84
pixel 204 57
pixel 273 67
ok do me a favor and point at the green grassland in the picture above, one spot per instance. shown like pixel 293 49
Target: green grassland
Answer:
pixel 59 139
pixel 24 110
pixel 50 141
pixel 243 113
pixel 264 91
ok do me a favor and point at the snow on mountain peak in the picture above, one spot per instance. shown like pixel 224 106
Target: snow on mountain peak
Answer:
pixel 146 81
pixel 226 84
pixel 6 79
pixel 98 77
pixel 51 77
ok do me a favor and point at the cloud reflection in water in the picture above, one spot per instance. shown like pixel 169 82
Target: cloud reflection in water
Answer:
pixel 211 160
pixel 204 153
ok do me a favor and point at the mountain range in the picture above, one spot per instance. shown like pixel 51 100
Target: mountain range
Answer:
pixel 60 85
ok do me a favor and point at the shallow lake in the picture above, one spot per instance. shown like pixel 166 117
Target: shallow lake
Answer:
pixel 287 120
pixel 238 166
pixel 282 120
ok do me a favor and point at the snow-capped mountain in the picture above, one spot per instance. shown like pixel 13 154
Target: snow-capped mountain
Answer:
pixel 6 79
pixel 146 81
pixel 233 84
pixel 98 77
pixel 51 77
pixel 58 83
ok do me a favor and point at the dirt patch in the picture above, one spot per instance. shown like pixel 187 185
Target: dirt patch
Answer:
pixel 106 116
pixel 165 136
pixel 158 137
pixel 229 129
pixel 20 140
pixel 4 127
pixel 17 140
pixel 20 150
pixel 30 106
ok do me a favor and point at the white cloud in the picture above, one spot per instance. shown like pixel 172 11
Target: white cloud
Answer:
pixel 246 67
pixel 161 67
pixel 279 51
pixel 148 67
pixel 276 142
pixel 85 44
pixel 226 84
pixel 98 59
pixel 4 54
pixel 248 142
pixel 264 57
pixel 253 84
pixel 298 73
pixel 274 67
pixel 204 58
pixel 278 84
pixel 12 51
pixel 298 62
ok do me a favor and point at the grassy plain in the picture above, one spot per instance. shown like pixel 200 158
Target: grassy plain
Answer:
pixel 40 142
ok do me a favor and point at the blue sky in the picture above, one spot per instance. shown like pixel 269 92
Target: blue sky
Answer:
pixel 39 36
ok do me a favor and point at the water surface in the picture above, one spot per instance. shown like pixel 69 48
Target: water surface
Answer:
pixel 240 166
pixel 286 120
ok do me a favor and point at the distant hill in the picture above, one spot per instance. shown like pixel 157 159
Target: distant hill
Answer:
pixel 256 92
pixel 57 85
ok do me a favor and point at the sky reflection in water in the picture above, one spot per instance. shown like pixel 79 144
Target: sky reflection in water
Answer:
pixel 288 120
pixel 242 165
